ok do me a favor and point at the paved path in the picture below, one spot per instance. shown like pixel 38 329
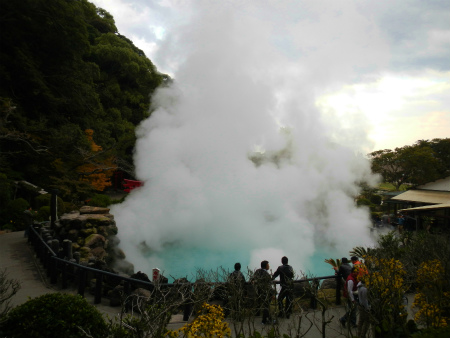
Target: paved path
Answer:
pixel 17 256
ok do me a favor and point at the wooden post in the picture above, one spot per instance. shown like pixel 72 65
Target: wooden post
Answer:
pixel 53 208
pixel 53 270
pixel 338 288
pixel 187 309
pixel 67 247
pixel 314 287
pixel 81 281
pixel 98 288
pixel 76 256
pixel 64 268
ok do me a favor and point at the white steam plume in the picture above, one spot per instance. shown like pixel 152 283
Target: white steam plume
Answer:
pixel 237 162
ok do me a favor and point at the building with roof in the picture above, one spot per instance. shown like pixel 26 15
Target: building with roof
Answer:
pixel 430 200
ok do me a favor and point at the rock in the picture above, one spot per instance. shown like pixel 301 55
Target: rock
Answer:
pixel 73 235
pixel 329 284
pixel 88 232
pixel 93 210
pixel 140 298
pixel 98 253
pixel 94 241
pixel 116 295
pixel 85 253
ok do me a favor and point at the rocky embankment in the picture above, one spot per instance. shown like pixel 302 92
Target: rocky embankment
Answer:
pixel 92 232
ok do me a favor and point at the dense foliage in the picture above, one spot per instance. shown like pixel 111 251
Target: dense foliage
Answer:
pixel 416 262
pixel 55 315
pixel 423 162
pixel 69 81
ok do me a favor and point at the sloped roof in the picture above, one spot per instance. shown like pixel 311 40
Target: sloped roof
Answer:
pixel 424 196
pixel 429 207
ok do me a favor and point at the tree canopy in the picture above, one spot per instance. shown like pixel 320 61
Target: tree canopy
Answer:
pixel 66 69
pixel 423 162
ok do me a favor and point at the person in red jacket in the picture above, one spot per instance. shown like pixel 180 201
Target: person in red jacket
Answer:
pixel 350 287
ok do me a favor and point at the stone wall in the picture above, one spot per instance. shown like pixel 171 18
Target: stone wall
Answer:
pixel 93 233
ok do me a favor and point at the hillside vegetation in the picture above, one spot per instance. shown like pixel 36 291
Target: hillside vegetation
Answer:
pixel 73 91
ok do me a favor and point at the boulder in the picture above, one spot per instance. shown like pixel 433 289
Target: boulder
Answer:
pixel 93 210
pixel 328 284
pixel 94 241
pixel 98 253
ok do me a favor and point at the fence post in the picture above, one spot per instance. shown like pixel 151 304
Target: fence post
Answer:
pixel 81 281
pixel 187 309
pixel 338 288
pixel 53 208
pixel 67 248
pixel 53 270
pixel 98 288
pixel 64 268
pixel 314 287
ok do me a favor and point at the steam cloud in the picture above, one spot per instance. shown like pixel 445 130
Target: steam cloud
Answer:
pixel 238 162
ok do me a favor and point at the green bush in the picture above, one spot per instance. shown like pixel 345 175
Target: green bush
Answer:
pixel 376 199
pixel 45 200
pixel 8 227
pixel 5 190
pixel 14 214
pixel 100 201
pixel 363 201
pixel 443 332
pixel 43 214
pixel 55 315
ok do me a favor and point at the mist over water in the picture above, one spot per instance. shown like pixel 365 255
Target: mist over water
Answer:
pixel 238 162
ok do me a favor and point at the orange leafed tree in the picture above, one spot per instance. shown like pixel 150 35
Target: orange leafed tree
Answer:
pixel 98 170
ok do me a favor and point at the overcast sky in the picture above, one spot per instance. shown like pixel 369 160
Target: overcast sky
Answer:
pixel 381 68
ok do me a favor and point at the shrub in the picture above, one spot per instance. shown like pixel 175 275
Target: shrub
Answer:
pixel 45 200
pixel 5 189
pixel 442 332
pixel 15 213
pixel 100 200
pixel 43 214
pixel 8 288
pixel 376 199
pixel 55 315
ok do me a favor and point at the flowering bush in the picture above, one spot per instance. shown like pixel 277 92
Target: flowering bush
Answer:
pixel 384 279
pixel 431 297
pixel 209 323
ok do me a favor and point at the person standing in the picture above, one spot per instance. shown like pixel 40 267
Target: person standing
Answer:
pixel 28 218
pixel 235 292
pixel 263 286
pixel 355 261
pixel 364 308
pixel 344 269
pixel 286 274
pixel 350 287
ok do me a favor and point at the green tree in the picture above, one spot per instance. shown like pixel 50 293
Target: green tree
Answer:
pixel 65 68
pixel 423 162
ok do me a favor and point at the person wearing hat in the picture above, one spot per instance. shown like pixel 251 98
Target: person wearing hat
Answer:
pixel 355 261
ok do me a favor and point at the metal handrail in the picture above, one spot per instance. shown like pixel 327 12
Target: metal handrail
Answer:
pixel 55 264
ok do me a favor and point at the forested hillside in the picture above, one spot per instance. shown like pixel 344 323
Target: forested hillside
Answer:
pixel 72 92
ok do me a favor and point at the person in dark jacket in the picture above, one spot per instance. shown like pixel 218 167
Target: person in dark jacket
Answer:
pixel 344 269
pixel 264 289
pixel 286 274
pixel 235 292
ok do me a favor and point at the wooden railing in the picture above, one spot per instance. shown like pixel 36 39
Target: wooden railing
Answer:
pixel 59 268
